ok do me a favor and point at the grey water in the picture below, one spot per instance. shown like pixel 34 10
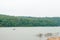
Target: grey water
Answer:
pixel 25 33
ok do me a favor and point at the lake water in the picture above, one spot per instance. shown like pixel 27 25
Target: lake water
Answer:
pixel 25 33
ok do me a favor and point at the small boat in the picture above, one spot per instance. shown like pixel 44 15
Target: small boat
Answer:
pixel 14 29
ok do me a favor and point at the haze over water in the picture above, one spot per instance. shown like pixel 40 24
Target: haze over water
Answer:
pixel 25 33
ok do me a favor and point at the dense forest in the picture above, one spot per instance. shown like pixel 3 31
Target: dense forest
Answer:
pixel 24 21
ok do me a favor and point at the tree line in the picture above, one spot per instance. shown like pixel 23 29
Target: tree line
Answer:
pixel 23 21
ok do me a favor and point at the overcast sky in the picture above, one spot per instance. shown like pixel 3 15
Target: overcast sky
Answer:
pixel 30 7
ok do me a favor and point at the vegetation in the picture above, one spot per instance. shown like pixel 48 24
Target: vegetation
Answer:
pixel 10 21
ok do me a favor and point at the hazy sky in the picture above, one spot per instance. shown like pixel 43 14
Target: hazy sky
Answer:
pixel 30 7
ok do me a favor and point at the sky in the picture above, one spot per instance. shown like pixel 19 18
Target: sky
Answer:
pixel 36 8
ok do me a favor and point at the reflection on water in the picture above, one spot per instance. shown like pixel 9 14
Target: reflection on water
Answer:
pixel 28 33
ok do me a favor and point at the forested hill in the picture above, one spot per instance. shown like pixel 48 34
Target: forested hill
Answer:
pixel 22 21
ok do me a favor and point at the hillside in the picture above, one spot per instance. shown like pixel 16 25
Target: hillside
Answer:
pixel 10 21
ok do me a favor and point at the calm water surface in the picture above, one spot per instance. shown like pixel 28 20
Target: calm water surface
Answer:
pixel 25 33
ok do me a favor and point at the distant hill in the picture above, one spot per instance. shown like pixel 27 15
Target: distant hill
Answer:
pixel 23 21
